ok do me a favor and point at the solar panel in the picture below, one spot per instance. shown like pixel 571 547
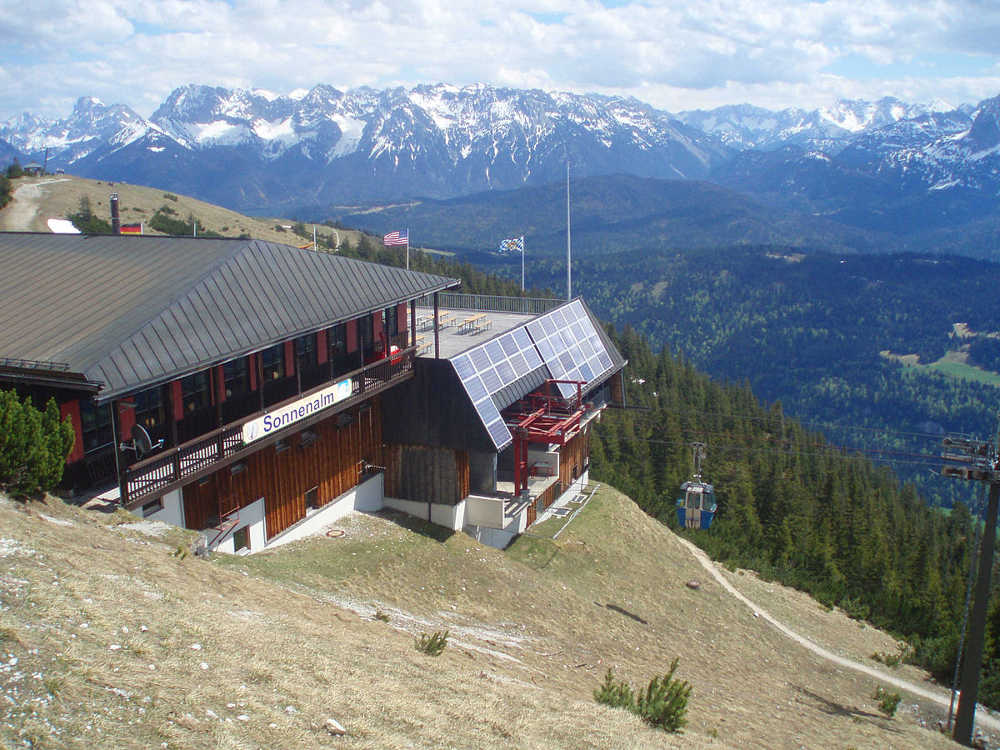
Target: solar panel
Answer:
pixel 499 433
pixel 564 340
pixel 491 366
pixel 569 345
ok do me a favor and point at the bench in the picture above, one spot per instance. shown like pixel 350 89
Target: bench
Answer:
pixel 474 323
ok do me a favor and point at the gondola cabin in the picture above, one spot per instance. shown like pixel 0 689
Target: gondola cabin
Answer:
pixel 697 508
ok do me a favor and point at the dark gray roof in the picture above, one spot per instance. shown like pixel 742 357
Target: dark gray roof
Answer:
pixel 132 311
pixel 521 387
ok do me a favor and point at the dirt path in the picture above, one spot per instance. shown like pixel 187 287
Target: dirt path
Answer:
pixel 941 698
pixel 21 214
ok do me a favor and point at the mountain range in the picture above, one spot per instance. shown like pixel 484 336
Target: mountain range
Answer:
pixel 885 165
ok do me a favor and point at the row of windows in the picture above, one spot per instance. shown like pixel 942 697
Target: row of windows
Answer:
pixel 151 405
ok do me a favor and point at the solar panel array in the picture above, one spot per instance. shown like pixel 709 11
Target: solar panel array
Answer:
pixel 564 340
pixel 486 369
pixel 570 346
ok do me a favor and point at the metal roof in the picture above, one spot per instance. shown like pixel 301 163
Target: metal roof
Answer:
pixel 131 311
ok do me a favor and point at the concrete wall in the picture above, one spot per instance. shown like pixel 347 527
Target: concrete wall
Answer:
pixel 367 496
pixel 251 516
pixel 173 509
pixel 484 511
pixel 499 538
pixel 449 516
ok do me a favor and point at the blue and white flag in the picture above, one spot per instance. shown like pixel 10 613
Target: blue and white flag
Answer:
pixel 512 245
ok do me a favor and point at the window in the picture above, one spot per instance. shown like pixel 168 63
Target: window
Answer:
pixel 273 362
pixel 366 333
pixel 154 506
pixel 236 375
pixel 195 392
pixel 241 539
pixel 149 408
pixel 305 350
pixel 95 423
pixel 340 360
pixel 391 321
pixel 338 340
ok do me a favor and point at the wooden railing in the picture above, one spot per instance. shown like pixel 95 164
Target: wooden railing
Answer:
pixel 168 469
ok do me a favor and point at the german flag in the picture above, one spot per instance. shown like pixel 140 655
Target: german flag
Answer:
pixel 131 229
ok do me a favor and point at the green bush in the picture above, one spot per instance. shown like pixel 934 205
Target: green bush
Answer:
pixel 33 445
pixel 432 645
pixel 662 704
pixel 887 702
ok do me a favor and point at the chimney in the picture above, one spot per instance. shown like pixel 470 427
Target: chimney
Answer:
pixel 116 223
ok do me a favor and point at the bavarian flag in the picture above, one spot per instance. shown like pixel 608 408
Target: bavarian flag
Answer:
pixel 512 245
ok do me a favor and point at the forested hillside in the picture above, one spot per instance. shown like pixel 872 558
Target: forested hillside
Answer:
pixel 825 334
pixel 792 506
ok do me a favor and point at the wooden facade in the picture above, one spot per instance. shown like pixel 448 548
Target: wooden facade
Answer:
pixel 328 457
pixel 426 473
pixel 574 457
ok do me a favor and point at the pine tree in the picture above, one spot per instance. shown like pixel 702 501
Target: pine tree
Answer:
pixel 33 445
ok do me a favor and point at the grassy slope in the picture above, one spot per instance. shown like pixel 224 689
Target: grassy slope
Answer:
pixel 533 631
pixel 61 196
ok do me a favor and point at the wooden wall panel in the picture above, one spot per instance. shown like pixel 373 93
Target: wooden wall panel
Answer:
pixel 331 462
pixel 200 503
pixel 426 474
pixel 571 458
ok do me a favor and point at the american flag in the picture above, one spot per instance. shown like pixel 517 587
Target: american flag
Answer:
pixel 512 245
pixel 397 238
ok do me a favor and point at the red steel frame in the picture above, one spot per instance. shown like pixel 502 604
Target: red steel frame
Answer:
pixel 545 418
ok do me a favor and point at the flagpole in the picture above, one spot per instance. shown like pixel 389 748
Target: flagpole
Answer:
pixel 407 248
pixel 522 262
pixel 569 265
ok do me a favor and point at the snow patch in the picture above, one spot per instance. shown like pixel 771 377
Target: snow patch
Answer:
pixel 351 130
pixel 62 226
pixel 280 130
pixel 218 133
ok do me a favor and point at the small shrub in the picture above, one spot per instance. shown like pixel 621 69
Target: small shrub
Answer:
pixel 615 693
pixel 887 702
pixel 52 685
pixel 662 704
pixel 894 660
pixel 380 615
pixel 170 197
pixel 432 645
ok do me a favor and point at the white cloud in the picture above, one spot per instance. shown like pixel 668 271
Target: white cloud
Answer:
pixel 672 53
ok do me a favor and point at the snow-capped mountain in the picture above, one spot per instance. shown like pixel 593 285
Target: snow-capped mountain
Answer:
pixel 326 145
pixel 827 129
pixel 92 127
pixel 258 151
pixel 932 171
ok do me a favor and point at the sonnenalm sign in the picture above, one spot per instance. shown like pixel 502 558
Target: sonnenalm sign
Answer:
pixel 289 415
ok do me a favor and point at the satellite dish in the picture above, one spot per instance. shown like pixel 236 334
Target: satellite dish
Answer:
pixel 141 441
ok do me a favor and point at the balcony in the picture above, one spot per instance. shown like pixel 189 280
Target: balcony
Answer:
pixel 217 448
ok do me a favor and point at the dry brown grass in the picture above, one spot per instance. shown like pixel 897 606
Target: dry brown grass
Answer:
pixel 60 196
pixel 532 632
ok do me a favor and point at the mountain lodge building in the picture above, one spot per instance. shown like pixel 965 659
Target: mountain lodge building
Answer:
pixel 256 391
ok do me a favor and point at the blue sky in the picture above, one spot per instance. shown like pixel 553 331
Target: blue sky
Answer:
pixel 675 55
